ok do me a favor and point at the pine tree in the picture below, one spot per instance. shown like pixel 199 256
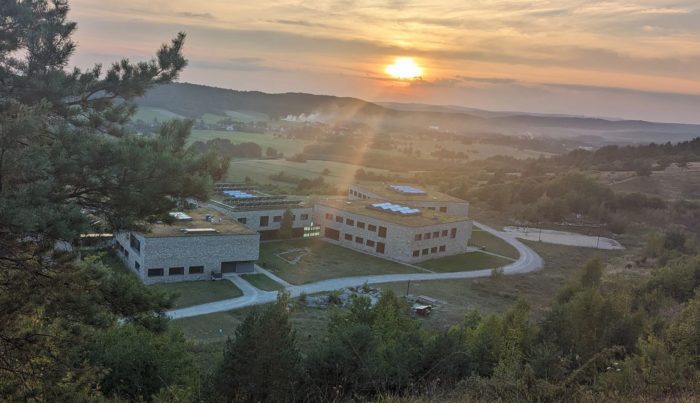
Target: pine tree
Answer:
pixel 287 224
pixel 262 363
pixel 68 164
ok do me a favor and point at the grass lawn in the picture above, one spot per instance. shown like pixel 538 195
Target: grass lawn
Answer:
pixel 324 261
pixel 262 282
pixel 200 292
pixel 464 262
pixel 492 244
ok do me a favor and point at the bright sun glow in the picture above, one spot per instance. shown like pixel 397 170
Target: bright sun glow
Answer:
pixel 404 68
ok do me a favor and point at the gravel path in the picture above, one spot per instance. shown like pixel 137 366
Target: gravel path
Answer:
pixel 527 262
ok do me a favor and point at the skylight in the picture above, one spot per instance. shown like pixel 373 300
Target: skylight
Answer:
pixel 237 194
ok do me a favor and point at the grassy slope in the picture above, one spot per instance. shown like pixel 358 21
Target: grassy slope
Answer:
pixel 262 282
pixel 492 244
pixel 464 262
pixel 325 261
pixel 200 292
pixel 147 114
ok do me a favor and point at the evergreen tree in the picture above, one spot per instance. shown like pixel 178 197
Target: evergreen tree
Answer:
pixel 262 363
pixel 287 224
pixel 68 165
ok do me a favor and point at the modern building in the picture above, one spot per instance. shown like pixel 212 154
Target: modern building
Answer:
pixel 262 212
pixel 393 230
pixel 199 243
pixel 410 195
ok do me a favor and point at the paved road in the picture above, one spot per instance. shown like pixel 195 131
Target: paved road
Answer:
pixel 527 262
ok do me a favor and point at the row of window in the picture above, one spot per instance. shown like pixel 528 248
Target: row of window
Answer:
pixel 434 249
pixel 381 231
pixel 442 209
pixel 175 271
pixel 436 234
pixel 379 246
pixel 358 194
pixel 265 219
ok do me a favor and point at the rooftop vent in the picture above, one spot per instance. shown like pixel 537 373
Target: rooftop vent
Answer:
pixel 409 190
pixel 180 216
pixel 199 231
pixel 394 209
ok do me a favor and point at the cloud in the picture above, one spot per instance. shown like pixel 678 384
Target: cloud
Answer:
pixel 188 14
pixel 244 64
pixel 302 23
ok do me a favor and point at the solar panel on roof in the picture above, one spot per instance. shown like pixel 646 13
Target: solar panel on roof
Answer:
pixel 394 208
pixel 407 189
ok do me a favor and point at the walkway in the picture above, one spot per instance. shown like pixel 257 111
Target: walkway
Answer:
pixel 528 261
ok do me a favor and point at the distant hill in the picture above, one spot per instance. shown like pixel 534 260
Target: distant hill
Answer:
pixel 195 101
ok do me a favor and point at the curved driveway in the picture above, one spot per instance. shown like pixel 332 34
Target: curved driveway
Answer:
pixel 527 262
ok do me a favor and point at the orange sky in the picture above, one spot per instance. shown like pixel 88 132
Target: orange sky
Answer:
pixel 631 59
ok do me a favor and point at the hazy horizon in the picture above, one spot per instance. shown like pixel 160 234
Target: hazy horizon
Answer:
pixel 613 59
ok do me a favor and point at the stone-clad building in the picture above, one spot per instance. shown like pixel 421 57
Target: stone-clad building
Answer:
pixel 393 230
pixel 199 242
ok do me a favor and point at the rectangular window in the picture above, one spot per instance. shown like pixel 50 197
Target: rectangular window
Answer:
pixel 264 220
pixel 416 253
pixel 425 251
pixel 433 249
pixel 380 247
pixel 382 232
pixel 453 233
pixel 329 216
pixel 176 271
pixel 371 227
pixel 155 272
pixel 444 232
pixel 339 219
pixel 312 231
pixel 418 237
pixel 359 240
pixel 360 225
pixel 294 217
pixel 431 208
pixel 277 218
pixel 126 252
pixel 304 217
pixel 350 221
pixel 135 243
pixel 436 234
pixel 137 266
pixel 442 248
pixel 196 269
pixel 370 243
pixel 348 237
pixel 443 209
pixel 426 235
pixel 242 220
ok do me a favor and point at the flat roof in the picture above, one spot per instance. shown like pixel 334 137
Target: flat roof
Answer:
pixel 198 225
pixel 425 218
pixel 385 191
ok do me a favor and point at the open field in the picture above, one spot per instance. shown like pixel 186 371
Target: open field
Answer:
pixel 673 183
pixel 286 146
pixel 148 114
pixel 199 292
pixel 341 174
pixel 492 244
pixel 496 295
pixel 209 332
pixel 324 261
pixel 262 282
pixel 464 262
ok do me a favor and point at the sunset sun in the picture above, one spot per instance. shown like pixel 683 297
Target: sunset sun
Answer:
pixel 404 68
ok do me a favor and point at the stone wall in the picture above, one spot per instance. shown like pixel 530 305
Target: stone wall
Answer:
pixel 400 242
